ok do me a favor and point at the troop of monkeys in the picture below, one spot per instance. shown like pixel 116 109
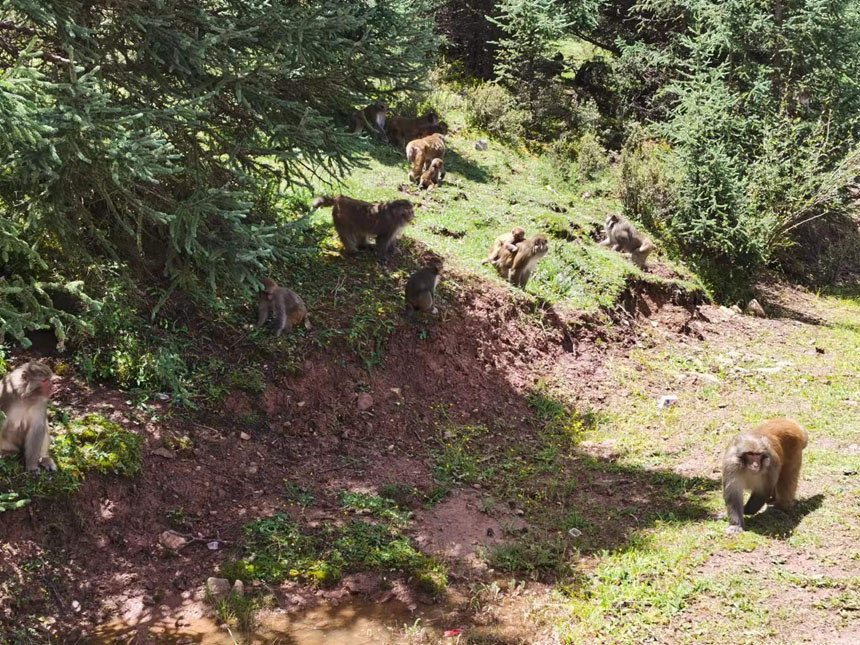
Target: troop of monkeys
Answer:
pixel 356 221
pixel 765 460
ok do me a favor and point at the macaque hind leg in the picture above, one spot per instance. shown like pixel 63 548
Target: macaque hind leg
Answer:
pixel 755 502
pixel 36 447
pixel 786 486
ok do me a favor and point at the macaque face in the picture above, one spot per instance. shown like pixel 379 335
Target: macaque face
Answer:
pixel 754 460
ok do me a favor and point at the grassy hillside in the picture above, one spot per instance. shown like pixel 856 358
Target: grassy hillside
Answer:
pixel 486 193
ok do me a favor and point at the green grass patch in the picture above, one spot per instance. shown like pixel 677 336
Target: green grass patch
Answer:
pixel 533 555
pixel 379 507
pixel 280 548
pixel 92 444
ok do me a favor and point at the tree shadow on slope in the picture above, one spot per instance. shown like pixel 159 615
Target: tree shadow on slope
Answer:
pixel 456 163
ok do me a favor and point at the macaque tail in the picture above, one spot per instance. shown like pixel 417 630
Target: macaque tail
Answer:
pixel 324 201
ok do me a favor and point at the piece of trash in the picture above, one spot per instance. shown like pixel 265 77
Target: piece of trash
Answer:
pixel 453 632
pixel 574 532
pixel 482 144
pixel 161 396
pixel 213 545
pixel 666 400
pixel 768 370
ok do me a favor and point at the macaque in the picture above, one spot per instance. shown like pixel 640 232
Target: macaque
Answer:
pixel 373 118
pixel 765 461
pixel 433 128
pixel 421 289
pixel 287 306
pixel 623 237
pixel 356 221
pixel 24 394
pixel 517 267
pixel 422 152
pixel 432 177
pixel 403 128
pixel 507 241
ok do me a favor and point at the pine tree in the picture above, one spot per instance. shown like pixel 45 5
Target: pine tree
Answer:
pixel 157 135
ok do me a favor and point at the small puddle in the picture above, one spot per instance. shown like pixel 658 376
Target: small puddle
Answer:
pixel 353 623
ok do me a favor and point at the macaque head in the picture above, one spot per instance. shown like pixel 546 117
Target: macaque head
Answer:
pixel 541 244
pixel 431 117
pixel 753 453
pixel 37 378
pixel 435 265
pixel 269 286
pixel 402 209
pixel 518 233
pixel 436 164
pixel 612 220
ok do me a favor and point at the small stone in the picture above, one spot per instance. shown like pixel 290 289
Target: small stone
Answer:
pixel 244 436
pixel 482 144
pixel 520 512
pixel 148 600
pixel 735 309
pixel 586 195
pixel 239 588
pixel 172 540
pixel 755 309
pixel 397 391
pixel 213 545
pixel 301 404
pixel 252 470
pixel 218 587
pixel 76 606
pixel 365 402
pixel 164 452
pixel 391 448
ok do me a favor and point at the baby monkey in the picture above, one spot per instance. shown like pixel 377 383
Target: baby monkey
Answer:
pixel 287 306
pixel 433 176
pixel 421 289
pixel 508 242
